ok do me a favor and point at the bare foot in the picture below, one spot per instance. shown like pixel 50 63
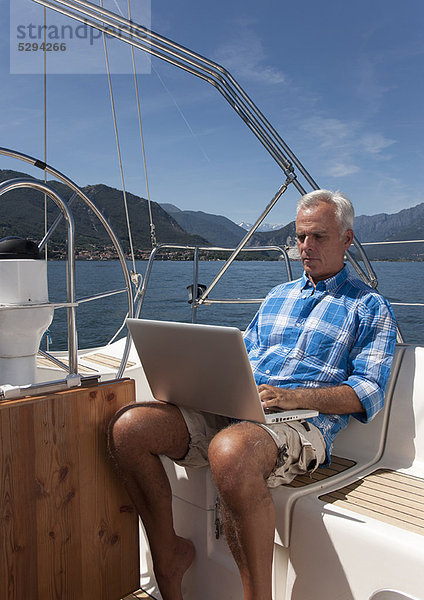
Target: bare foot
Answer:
pixel 169 578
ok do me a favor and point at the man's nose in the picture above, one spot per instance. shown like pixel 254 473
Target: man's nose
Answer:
pixel 307 243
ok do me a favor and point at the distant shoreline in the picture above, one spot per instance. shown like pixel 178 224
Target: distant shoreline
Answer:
pixel 188 259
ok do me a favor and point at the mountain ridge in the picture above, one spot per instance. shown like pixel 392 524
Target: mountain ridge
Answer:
pixel 22 214
pixel 218 230
pixel 407 224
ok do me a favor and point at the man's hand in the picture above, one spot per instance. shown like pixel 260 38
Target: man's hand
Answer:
pixel 336 400
pixel 272 397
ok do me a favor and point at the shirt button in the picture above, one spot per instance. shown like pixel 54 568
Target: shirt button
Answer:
pixel 267 371
pixel 298 325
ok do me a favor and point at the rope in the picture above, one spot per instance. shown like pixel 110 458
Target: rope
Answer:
pixel 118 147
pixel 149 204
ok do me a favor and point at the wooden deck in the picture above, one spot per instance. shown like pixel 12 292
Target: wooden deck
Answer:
pixel 338 465
pixel 96 362
pixel 137 595
pixel 389 496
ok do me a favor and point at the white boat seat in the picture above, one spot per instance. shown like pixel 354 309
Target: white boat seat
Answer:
pixel 398 482
pixel 359 446
pixel 377 513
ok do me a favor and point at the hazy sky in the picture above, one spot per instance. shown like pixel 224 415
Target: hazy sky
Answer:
pixel 341 81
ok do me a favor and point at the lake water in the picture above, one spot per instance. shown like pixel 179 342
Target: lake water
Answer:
pixel 167 297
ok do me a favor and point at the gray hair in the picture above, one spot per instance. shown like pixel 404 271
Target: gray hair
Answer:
pixel 345 213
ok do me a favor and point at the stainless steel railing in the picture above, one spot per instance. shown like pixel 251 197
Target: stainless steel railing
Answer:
pixel 197 298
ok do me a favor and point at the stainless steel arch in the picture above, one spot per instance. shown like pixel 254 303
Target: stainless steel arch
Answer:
pixel 183 58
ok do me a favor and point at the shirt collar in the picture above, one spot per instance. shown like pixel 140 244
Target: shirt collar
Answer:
pixel 329 284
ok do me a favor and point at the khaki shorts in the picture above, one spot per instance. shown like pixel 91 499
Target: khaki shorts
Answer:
pixel 301 447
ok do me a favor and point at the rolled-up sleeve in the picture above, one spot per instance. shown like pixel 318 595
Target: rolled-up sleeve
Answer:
pixel 371 356
pixel 250 335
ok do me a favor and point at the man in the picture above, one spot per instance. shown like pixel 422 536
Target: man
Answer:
pixel 323 342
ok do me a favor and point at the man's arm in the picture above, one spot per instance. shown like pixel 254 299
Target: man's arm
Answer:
pixel 336 400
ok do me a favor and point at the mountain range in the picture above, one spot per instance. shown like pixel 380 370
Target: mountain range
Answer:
pixel 407 224
pixel 23 215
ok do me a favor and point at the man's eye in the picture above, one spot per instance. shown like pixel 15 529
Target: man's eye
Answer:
pixel 301 238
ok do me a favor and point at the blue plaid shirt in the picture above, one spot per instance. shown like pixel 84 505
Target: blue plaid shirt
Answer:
pixel 343 333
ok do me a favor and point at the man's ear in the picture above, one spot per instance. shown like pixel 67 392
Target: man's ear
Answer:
pixel 348 238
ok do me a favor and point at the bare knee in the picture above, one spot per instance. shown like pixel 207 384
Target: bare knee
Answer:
pixel 224 451
pixel 228 459
pixel 126 431
pixel 152 427
pixel 241 457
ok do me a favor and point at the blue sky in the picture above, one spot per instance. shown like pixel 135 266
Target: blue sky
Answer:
pixel 341 81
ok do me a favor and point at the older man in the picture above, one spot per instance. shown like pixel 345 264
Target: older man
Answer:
pixel 323 342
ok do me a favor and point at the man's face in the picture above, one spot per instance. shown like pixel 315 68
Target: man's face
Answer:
pixel 320 242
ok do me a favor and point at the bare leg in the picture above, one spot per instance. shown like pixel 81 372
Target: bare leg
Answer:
pixel 241 458
pixel 138 436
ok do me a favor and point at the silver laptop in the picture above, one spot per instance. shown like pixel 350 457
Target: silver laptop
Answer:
pixel 205 367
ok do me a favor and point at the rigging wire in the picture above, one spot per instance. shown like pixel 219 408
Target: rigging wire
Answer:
pixel 182 115
pixel 149 204
pixel 46 224
pixel 137 293
pixel 118 147
pixel 45 120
